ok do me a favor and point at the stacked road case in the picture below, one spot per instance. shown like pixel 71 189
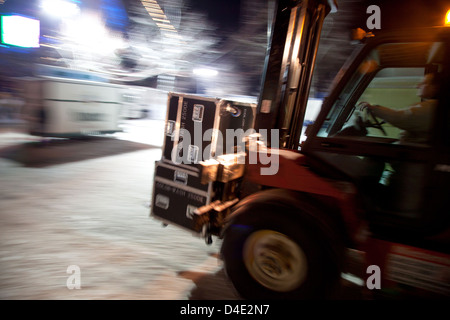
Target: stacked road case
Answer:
pixel 195 131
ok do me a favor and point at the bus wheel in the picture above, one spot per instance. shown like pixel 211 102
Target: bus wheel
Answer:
pixel 272 252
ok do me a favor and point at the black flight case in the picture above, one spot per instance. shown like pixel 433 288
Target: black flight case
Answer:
pixel 189 139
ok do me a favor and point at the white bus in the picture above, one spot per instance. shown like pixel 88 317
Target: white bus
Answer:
pixel 61 102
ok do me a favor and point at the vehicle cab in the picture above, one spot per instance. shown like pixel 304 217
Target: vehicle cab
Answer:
pixel 402 184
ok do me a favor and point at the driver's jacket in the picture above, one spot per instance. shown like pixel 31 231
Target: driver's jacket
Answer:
pixel 415 120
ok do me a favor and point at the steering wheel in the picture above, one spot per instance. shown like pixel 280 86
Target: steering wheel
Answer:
pixel 374 123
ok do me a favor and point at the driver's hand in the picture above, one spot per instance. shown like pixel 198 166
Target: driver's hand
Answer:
pixel 363 106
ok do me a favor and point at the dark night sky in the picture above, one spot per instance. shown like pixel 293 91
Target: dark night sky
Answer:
pixel 222 13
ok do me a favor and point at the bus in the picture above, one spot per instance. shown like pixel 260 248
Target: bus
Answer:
pixel 62 102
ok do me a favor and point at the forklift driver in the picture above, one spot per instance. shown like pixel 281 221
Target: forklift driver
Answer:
pixel 415 120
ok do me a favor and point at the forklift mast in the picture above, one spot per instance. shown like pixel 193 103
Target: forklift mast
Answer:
pixel 289 67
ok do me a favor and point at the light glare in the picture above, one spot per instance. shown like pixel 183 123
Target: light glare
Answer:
pixel 204 72
pixel 60 8
pixel 20 31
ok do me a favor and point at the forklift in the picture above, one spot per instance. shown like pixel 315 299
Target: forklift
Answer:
pixel 354 185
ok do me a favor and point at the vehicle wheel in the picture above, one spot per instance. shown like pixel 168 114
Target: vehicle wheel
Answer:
pixel 275 252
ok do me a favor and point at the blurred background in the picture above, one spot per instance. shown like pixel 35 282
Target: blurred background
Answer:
pixel 215 48
pixel 172 45
pixel 178 45
pixel 175 45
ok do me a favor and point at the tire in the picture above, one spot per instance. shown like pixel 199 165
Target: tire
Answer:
pixel 272 250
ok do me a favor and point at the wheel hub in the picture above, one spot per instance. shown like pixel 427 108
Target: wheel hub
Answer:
pixel 275 260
